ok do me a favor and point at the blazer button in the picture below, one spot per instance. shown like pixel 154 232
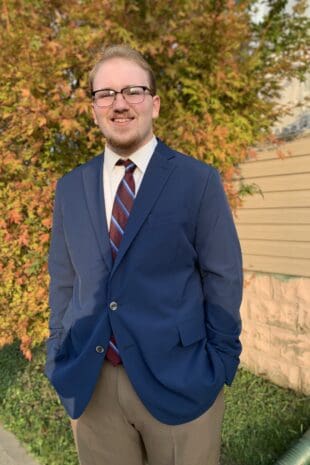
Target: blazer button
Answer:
pixel 99 349
pixel 113 306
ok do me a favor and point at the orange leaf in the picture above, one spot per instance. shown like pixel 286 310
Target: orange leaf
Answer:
pixel 15 216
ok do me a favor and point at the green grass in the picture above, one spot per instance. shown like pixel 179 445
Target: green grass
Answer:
pixel 31 410
pixel 261 419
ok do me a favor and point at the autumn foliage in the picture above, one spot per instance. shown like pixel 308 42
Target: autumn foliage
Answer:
pixel 218 73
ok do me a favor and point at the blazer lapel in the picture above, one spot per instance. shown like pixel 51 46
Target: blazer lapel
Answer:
pixel 158 171
pixel 93 185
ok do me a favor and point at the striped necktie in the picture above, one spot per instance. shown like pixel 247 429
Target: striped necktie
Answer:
pixel 122 206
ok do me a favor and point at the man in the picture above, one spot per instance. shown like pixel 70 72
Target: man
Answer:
pixel 145 287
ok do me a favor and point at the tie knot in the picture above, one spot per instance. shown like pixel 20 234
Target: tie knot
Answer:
pixel 129 165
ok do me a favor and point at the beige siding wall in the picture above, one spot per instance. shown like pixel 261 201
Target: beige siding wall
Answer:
pixel 274 230
pixel 274 226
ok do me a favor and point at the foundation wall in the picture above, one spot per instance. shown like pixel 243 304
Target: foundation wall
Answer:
pixel 276 329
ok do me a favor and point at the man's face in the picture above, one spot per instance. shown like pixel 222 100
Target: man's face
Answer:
pixel 126 127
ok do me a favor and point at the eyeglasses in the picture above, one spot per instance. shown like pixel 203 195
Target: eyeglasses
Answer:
pixel 132 94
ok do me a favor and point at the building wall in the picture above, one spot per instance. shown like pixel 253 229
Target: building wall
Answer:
pixel 274 231
pixel 274 225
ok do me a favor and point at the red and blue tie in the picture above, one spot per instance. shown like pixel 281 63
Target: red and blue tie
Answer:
pixel 122 206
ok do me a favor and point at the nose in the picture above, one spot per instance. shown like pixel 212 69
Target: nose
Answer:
pixel 120 103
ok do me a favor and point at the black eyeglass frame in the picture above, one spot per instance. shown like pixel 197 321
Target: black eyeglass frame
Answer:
pixel 94 92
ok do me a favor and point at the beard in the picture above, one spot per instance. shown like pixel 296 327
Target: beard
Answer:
pixel 122 145
pixel 125 144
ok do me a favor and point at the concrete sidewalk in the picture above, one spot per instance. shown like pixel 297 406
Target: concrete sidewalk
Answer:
pixel 12 452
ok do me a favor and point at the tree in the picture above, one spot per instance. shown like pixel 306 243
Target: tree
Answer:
pixel 218 72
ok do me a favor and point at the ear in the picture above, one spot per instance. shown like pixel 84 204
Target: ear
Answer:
pixel 94 115
pixel 156 106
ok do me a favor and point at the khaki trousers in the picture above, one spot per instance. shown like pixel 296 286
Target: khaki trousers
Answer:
pixel 116 429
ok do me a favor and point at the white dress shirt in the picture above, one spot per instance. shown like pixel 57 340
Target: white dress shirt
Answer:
pixel 113 174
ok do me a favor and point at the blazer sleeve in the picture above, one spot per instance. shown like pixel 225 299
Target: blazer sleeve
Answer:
pixel 60 267
pixel 220 266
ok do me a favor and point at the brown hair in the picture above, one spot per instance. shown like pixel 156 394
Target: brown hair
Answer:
pixel 128 53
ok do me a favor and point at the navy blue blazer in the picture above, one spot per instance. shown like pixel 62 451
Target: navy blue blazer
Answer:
pixel 175 288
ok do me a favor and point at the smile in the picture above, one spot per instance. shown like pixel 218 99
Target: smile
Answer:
pixel 122 120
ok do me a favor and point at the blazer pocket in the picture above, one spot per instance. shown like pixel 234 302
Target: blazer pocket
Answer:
pixel 191 331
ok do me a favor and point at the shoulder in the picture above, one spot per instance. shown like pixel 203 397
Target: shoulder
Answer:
pixel 75 175
pixel 187 164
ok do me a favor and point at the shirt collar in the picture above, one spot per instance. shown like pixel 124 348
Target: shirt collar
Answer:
pixel 141 157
